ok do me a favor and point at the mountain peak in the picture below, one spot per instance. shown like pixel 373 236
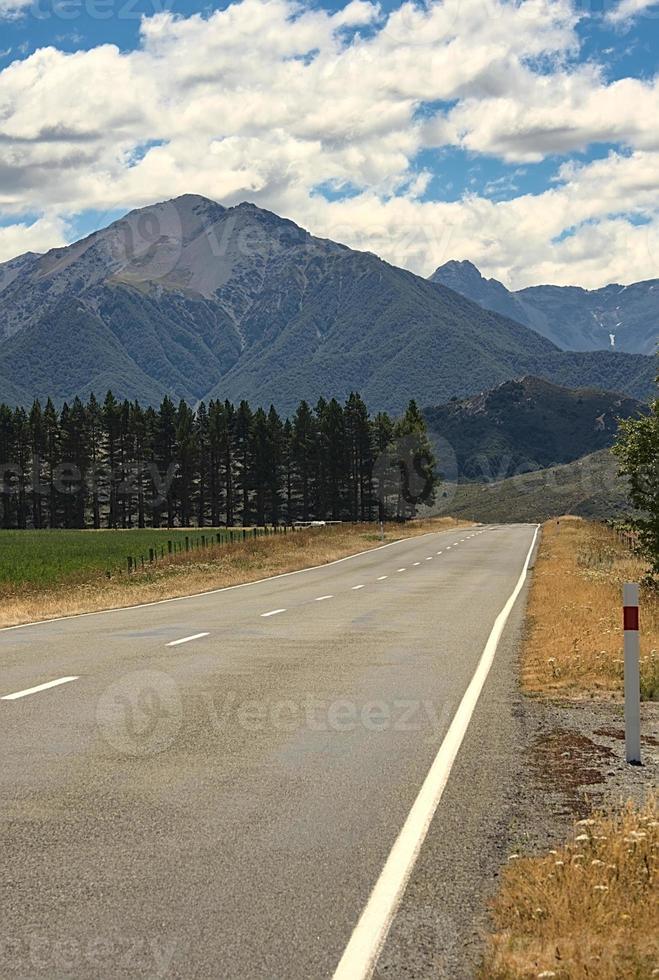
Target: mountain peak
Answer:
pixel 458 269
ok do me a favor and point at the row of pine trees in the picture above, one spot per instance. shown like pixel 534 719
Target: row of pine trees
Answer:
pixel 118 464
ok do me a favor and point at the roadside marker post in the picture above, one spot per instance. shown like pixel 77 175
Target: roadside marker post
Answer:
pixel 630 599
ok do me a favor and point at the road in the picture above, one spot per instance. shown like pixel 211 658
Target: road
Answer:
pixel 214 785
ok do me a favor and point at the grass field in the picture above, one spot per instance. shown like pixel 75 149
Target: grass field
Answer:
pixel 45 574
pixel 43 559
pixel 574 642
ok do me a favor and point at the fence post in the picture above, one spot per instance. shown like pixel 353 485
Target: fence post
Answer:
pixel 169 547
pixel 630 598
pixel 151 555
pixel 129 561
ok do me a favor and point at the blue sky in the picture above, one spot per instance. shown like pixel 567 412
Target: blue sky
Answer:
pixel 520 135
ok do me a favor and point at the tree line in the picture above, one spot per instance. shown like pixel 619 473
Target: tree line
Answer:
pixel 121 465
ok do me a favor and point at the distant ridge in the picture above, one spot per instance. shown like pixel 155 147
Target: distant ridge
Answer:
pixel 527 425
pixel 571 317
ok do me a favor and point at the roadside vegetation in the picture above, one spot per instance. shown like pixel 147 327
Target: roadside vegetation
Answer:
pixel 586 910
pixel 48 574
pixel 574 642
pixel 591 907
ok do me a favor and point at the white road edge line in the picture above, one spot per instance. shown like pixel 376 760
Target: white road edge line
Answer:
pixel 39 687
pixel 320 598
pixel 361 953
pixel 273 612
pixel 187 639
pixel 226 588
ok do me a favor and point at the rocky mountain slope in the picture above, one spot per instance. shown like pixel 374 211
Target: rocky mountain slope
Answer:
pixel 623 317
pixel 527 425
pixel 196 300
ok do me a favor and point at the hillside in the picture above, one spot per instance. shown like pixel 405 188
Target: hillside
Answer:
pixel 588 487
pixel 197 300
pixel 571 317
pixel 527 425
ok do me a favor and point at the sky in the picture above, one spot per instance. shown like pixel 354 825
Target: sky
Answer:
pixel 523 136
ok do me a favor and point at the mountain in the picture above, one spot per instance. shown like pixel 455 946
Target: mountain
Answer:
pixel 527 425
pixel 196 300
pixel 571 317
pixel 588 487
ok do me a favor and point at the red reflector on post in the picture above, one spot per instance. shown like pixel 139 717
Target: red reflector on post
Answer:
pixel 630 617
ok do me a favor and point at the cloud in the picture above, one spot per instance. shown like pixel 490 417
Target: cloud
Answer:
pixel 625 12
pixel 9 9
pixel 267 100
pixel 37 236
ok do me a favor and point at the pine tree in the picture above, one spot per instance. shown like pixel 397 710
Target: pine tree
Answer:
pixel 333 437
pixel 52 459
pixel 416 462
pixel 23 459
pixel 8 464
pixel 360 457
pixel 75 458
pixel 259 458
pixel 303 458
pixel 186 458
pixel 275 464
pixel 111 416
pixel 94 430
pixel 383 467
pixel 165 463
pixel 287 469
pixel 202 439
pixel 243 458
pixel 38 441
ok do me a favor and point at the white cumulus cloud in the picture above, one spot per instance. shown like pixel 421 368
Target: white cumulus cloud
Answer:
pixel 268 100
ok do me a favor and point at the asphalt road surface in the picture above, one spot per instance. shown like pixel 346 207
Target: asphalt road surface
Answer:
pixel 215 786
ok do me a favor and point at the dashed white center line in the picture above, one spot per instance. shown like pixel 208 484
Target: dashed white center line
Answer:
pixel 273 612
pixel 39 687
pixel 417 562
pixel 401 569
pixel 381 578
pixel 187 639
pixel 355 587
pixel 439 552
pixel 429 558
pixel 321 598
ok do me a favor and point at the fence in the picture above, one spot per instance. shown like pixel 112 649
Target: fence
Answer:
pixel 199 542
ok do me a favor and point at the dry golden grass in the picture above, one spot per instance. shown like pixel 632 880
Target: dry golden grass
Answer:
pixel 184 574
pixel 589 911
pixel 574 642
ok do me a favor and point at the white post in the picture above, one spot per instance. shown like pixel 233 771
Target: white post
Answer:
pixel 630 594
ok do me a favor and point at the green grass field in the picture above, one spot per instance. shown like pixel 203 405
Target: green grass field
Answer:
pixel 42 559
